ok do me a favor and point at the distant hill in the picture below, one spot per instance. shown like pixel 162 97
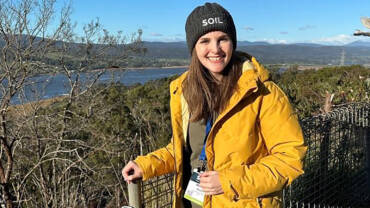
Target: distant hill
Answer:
pixel 300 53
pixel 160 54
pixel 248 43
pixel 358 44
pixel 309 44
pixel 169 50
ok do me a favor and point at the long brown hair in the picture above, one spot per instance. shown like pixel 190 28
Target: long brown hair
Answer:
pixel 204 94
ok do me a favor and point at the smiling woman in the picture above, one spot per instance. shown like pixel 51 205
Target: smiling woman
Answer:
pixel 214 51
pixel 236 141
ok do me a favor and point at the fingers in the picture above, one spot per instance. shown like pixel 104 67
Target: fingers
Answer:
pixel 131 172
pixel 212 190
pixel 208 174
pixel 210 183
pixel 208 177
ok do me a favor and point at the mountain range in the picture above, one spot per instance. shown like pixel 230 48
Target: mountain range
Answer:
pixel 172 53
pixel 357 52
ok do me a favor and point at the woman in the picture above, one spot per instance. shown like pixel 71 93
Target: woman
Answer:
pixel 226 106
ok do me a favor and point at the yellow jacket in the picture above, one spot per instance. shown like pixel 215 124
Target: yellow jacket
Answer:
pixel 256 144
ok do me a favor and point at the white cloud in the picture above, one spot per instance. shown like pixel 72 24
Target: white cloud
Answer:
pixel 156 34
pixel 248 28
pixel 275 41
pixel 164 39
pixel 172 39
pixel 341 39
pixel 306 27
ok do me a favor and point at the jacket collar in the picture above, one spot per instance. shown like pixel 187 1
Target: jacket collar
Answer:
pixel 253 74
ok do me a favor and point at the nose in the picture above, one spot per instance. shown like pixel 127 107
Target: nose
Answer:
pixel 215 46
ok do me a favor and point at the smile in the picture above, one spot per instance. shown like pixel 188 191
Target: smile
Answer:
pixel 215 58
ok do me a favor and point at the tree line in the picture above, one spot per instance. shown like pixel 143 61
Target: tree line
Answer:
pixel 68 151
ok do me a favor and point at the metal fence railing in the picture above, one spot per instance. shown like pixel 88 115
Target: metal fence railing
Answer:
pixel 159 192
pixel 337 164
pixel 337 161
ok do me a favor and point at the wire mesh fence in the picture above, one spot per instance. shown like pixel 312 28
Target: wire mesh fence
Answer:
pixel 337 164
pixel 158 192
pixel 337 161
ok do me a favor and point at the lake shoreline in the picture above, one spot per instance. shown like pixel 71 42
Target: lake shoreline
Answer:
pixel 137 68
pixel 163 67
pixel 144 68
pixel 114 69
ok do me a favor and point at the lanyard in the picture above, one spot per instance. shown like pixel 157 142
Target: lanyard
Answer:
pixel 202 156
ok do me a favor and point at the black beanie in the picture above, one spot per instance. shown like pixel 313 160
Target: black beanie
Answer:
pixel 207 18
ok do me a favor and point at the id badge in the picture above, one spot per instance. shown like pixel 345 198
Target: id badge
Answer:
pixel 194 192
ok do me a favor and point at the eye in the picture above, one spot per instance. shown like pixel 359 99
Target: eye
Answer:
pixel 224 38
pixel 204 40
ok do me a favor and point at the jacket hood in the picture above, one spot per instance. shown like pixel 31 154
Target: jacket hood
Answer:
pixel 260 70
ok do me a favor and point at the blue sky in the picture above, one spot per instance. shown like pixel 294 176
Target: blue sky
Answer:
pixel 276 21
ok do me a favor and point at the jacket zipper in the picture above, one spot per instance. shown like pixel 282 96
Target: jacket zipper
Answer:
pixel 259 202
pixel 175 175
pixel 174 195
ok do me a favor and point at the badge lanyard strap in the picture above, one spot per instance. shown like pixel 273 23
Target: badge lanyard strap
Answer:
pixel 203 156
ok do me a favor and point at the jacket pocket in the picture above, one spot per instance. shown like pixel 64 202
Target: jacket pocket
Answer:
pixel 236 196
pixel 245 202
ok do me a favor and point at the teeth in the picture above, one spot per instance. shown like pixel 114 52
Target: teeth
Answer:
pixel 214 58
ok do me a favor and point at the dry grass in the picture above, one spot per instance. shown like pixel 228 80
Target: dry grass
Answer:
pixel 30 107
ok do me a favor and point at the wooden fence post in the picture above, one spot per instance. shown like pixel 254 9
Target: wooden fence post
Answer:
pixel 134 194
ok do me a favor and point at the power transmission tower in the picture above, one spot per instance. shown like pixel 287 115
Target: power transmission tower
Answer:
pixel 343 57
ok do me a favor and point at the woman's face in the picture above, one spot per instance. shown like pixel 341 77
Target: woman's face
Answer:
pixel 214 50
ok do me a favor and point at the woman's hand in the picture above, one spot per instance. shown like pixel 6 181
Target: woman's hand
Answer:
pixel 131 172
pixel 210 183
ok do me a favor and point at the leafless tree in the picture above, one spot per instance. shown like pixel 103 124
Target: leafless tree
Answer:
pixel 43 155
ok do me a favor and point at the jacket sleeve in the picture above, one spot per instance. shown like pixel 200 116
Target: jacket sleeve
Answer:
pixel 157 163
pixel 281 133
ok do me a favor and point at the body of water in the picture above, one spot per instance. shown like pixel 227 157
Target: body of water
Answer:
pixel 49 86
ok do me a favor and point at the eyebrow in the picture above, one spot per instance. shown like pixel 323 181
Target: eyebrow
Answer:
pixel 224 36
pixel 207 38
